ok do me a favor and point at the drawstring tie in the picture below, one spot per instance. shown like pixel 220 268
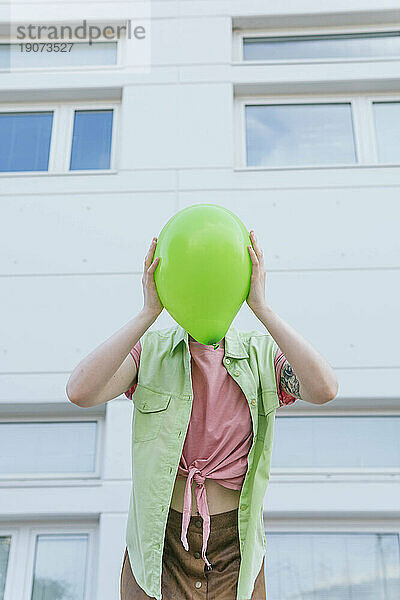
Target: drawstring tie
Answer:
pixel 200 492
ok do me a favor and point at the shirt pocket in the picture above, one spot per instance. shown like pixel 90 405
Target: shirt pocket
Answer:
pixel 149 412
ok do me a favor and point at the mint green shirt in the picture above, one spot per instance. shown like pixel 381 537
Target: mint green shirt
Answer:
pixel 162 407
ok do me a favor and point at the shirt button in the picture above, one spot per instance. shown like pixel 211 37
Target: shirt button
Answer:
pixel 198 522
pixel 228 360
pixel 197 554
pixel 237 373
pixel 158 546
pixel 198 584
pixel 253 402
pixel 243 506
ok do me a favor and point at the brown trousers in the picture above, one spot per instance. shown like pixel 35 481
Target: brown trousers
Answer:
pixel 183 572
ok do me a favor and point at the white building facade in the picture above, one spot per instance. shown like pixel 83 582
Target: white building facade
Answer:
pixel 289 116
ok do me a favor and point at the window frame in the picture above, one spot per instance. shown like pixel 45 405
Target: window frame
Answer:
pixel 320 474
pixel 61 478
pixel 364 131
pixel 19 576
pixel 299 33
pixel 61 134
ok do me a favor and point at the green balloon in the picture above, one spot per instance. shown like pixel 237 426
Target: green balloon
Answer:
pixel 204 273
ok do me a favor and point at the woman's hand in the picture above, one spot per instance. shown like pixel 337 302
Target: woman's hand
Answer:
pixel 152 302
pixel 256 296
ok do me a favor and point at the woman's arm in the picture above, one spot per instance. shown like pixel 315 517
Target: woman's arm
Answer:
pixel 306 374
pixel 109 370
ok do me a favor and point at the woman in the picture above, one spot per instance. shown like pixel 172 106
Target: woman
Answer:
pixel 201 556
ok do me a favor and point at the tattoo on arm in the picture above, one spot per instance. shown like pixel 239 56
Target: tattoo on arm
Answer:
pixel 289 381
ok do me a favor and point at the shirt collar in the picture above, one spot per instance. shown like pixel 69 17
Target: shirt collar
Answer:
pixel 234 346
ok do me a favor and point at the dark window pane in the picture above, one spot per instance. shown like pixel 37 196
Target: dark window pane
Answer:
pixel 91 142
pixel 25 141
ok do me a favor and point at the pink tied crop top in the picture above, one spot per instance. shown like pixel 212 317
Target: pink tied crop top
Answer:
pixel 220 431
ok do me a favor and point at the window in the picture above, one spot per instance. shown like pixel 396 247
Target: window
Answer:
pixel 91 139
pixel 5 543
pixel 333 565
pixel 60 138
pixel 60 566
pixel 48 448
pixel 317 131
pixel 38 54
pixel 25 141
pixel 387 128
pixel 316 47
pixel 337 443
pixel 71 46
pixel 296 134
pixel 48 560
